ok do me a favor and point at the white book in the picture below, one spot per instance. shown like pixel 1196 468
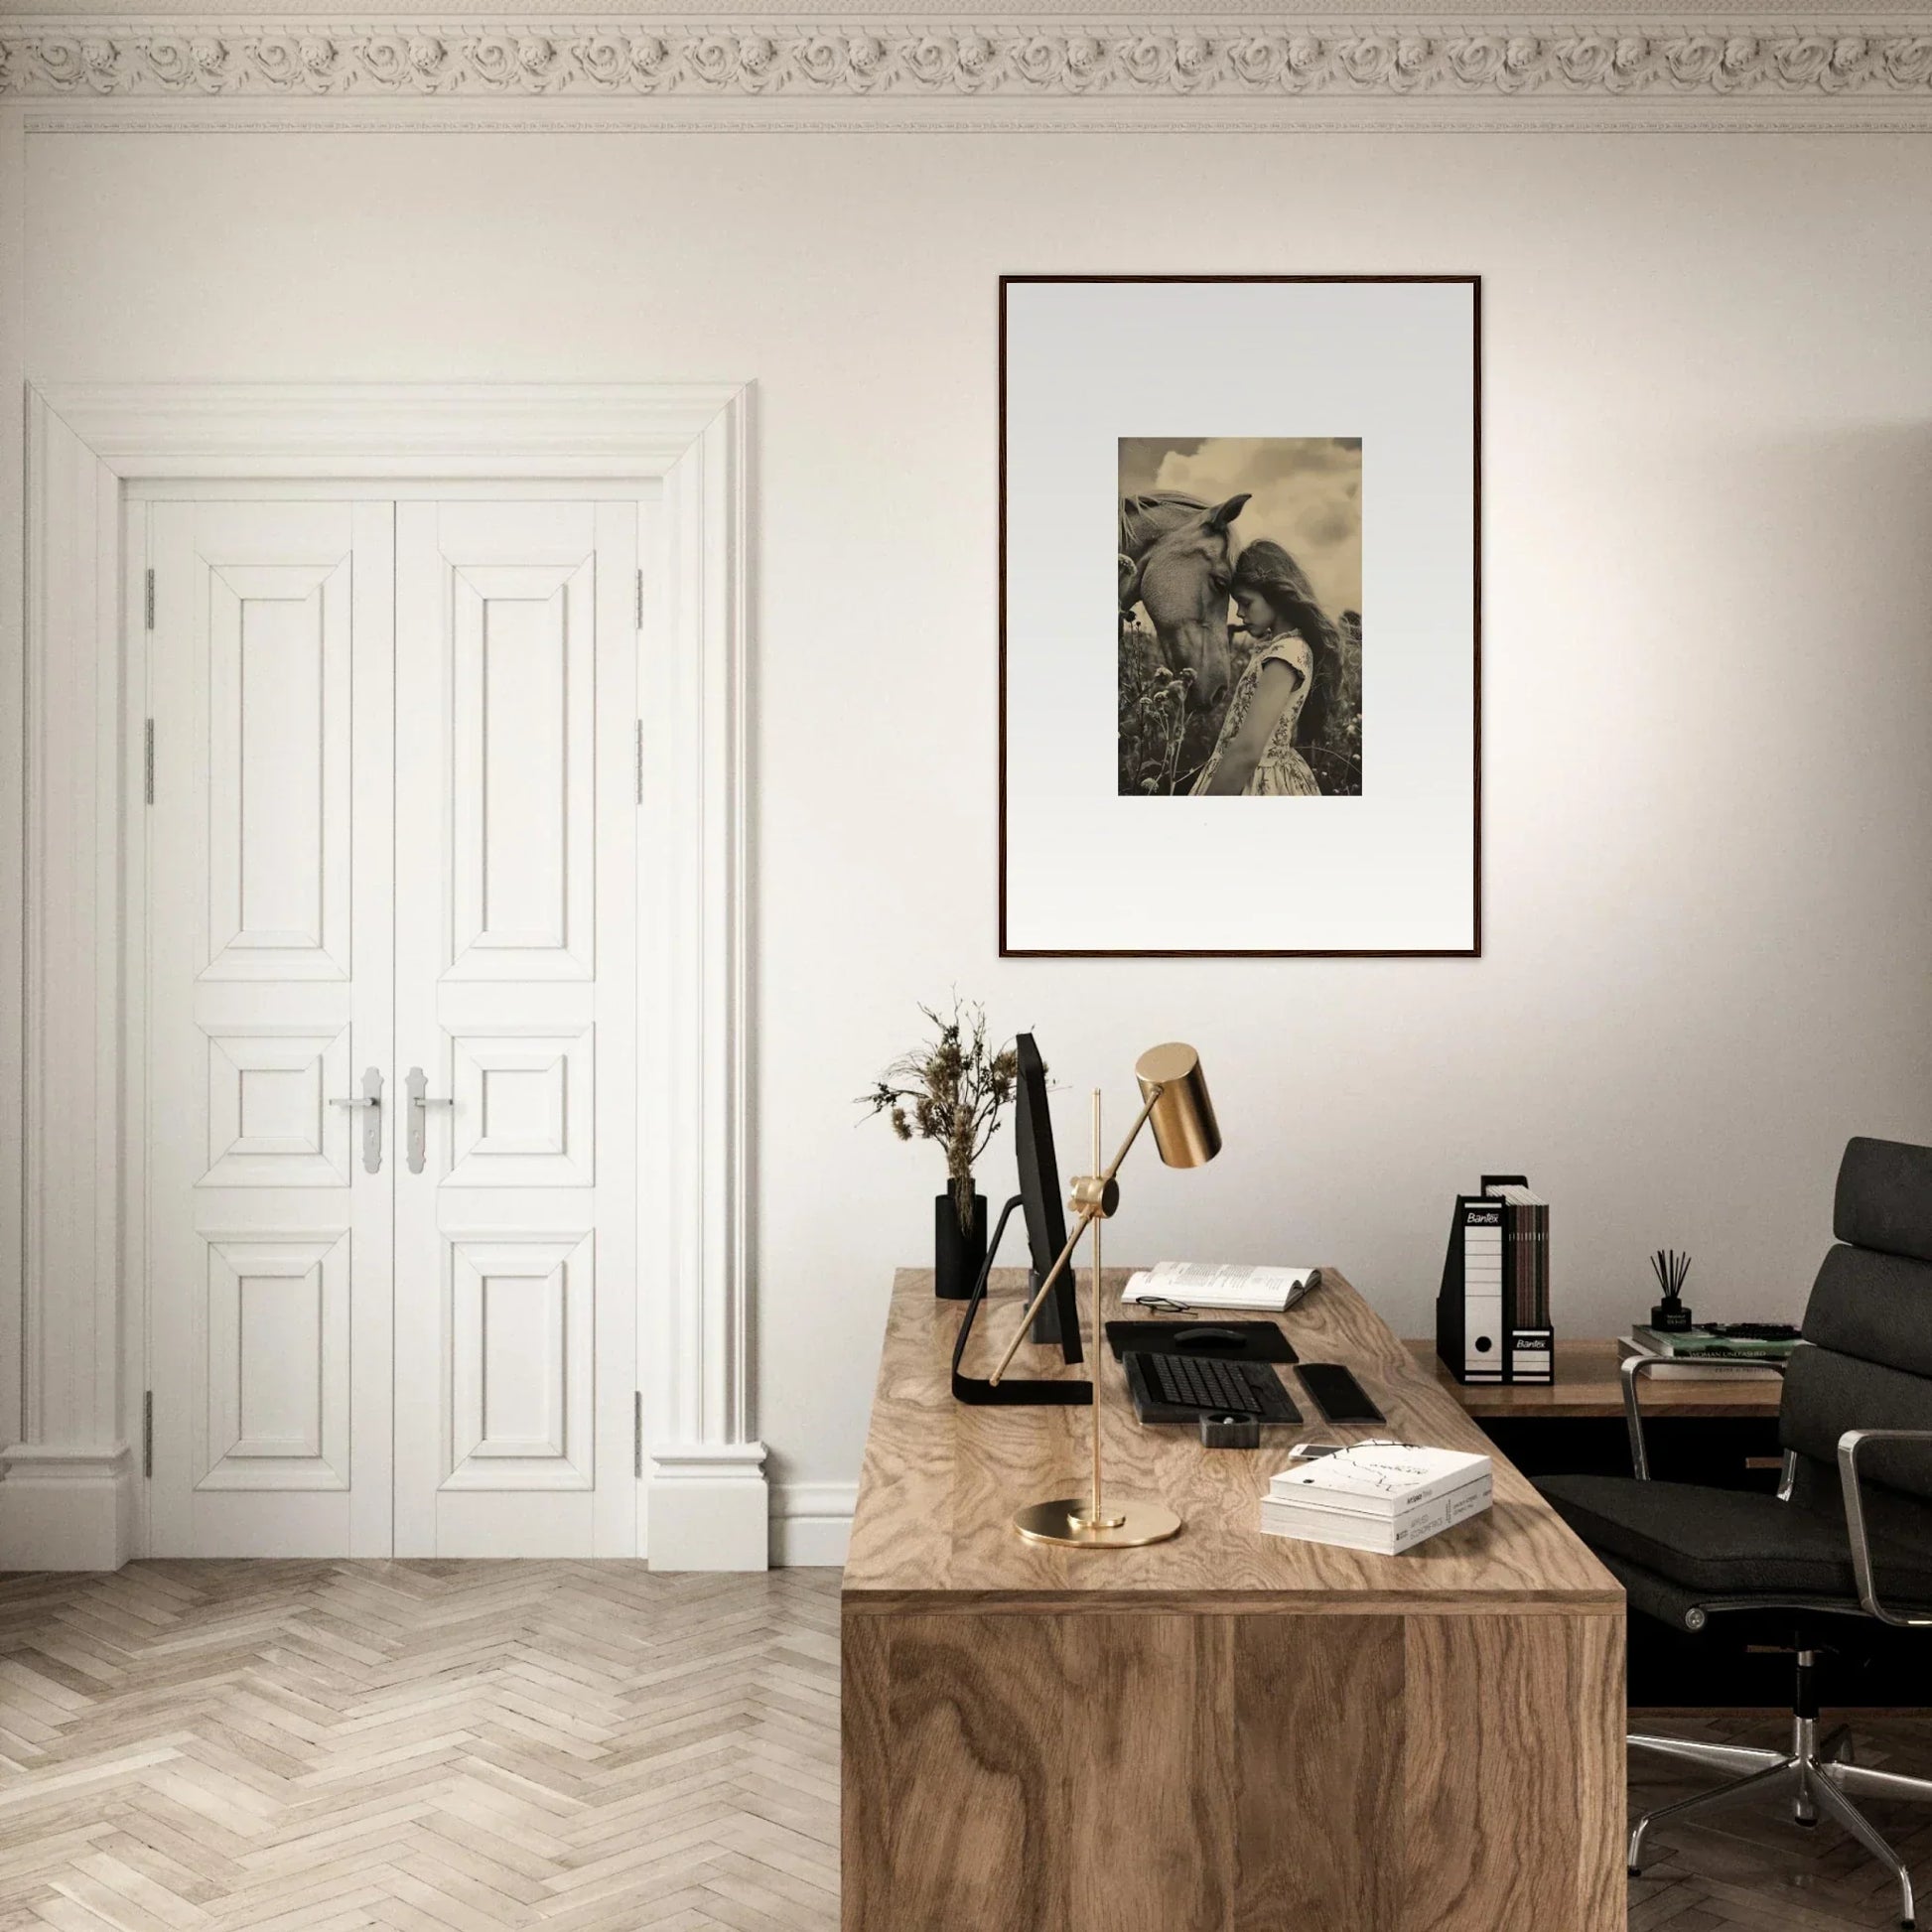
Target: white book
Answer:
pixel 1219 1284
pixel 1378 1478
pixel 1310 1504
pixel 1387 1536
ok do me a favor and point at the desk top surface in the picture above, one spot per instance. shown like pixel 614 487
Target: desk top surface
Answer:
pixel 1588 1385
pixel 942 1481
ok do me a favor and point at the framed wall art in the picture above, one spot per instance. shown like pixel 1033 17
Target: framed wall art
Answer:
pixel 1251 724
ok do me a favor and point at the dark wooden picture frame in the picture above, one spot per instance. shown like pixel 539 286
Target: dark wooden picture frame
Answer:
pixel 1475 948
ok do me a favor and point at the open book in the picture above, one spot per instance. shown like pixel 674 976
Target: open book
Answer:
pixel 1221 1285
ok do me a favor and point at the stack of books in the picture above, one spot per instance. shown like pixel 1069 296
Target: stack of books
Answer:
pixel 1381 1496
pixel 1689 1351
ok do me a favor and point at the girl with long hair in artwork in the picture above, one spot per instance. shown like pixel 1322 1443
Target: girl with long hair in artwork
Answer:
pixel 1285 689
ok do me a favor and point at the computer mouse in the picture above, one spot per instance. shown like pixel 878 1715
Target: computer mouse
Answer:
pixel 1208 1338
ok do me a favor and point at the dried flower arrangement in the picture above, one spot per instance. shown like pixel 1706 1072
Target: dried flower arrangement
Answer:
pixel 951 1090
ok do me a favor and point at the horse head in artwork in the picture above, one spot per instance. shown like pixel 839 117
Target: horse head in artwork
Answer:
pixel 1176 557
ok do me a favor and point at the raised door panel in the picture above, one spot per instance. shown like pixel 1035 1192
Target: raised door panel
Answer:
pixel 516 645
pixel 525 1109
pixel 269 994
pixel 523 771
pixel 276 1361
pixel 278 818
pixel 520 1366
pixel 271 1121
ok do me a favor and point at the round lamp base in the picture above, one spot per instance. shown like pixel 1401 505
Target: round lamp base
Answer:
pixel 1063 1521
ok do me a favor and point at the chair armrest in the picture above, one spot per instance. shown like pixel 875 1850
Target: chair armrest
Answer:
pixel 1633 1369
pixel 1849 1445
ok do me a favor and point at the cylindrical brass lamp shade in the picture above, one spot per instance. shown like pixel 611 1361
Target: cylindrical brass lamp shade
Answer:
pixel 1183 1117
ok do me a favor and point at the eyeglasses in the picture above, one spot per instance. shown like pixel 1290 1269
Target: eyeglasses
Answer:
pixel 1309 1452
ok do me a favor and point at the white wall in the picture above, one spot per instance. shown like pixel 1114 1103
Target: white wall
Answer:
pixel 1707 654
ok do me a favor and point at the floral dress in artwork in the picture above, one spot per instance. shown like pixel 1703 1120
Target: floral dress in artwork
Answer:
pixel 1283 771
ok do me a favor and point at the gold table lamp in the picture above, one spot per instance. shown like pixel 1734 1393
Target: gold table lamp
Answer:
pixel 1175 1104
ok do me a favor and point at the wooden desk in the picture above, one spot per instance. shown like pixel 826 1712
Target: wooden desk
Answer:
pixel 1587 1386
pixel 1227 1732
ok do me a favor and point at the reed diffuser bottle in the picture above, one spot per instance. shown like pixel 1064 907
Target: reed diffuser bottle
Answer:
pixel 1670 1316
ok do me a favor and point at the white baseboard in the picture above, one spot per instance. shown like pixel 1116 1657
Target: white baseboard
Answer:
pixel 66 1509
pixel 69 1510
pixel 74 1510
pixel 709 1507
pixel 811 1523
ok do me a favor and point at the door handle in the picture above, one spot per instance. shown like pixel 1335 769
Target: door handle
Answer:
pixel 420 1102
pixel 371 1099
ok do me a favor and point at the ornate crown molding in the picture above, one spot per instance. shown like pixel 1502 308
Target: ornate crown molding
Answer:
pixel 1251 63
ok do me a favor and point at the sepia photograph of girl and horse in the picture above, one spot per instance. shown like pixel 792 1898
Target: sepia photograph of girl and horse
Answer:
pixel 1240 616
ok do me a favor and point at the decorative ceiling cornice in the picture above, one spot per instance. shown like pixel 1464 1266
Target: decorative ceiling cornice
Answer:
pixel 1248 63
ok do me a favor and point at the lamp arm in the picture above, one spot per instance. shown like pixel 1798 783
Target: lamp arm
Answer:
pixel 1133 1134
pixel 1088 1215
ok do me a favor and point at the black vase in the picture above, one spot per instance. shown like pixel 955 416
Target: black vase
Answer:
pixel 958 1255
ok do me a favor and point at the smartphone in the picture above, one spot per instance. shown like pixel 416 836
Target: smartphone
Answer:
pixel 1337 1394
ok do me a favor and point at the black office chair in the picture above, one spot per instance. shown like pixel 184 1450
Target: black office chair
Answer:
pixel 1847 1538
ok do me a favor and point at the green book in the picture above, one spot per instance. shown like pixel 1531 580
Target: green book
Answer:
pixel 1700 1341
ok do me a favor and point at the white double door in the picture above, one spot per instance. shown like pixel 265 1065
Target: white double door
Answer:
pixel 391 1027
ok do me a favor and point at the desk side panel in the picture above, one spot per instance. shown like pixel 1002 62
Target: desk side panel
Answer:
pixel 865 1762
pixel 1230 1773
pixel 1514 1774
pixel 1151 1781
pixel 1318 1729
pixel 964 1821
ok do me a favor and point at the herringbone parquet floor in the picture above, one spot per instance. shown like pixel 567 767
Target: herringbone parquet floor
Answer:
pixel 433 1746
pixel 1753 1867
pixel 461 1747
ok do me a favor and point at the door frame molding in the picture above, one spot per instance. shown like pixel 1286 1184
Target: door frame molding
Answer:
pixel 70 1488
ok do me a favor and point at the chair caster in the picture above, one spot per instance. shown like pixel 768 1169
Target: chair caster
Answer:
pixel 1810 1823
pixel 1633 1871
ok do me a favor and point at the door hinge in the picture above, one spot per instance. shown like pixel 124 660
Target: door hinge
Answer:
pixel 147 1434
pixel 640 599
pixel 640 761
pixel 638 1434
pixel 150 601
pixel 147 763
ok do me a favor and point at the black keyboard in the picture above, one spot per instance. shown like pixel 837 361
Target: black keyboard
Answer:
pixel 1207 1387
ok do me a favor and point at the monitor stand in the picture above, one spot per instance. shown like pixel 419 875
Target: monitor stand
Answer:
pixel 1047 1324
pixel 1011 1391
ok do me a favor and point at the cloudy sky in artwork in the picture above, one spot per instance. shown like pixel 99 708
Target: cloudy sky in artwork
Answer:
pixel 1306 494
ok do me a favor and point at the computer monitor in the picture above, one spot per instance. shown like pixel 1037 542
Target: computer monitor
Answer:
pixel 1039 1193
pixel 1038 1200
